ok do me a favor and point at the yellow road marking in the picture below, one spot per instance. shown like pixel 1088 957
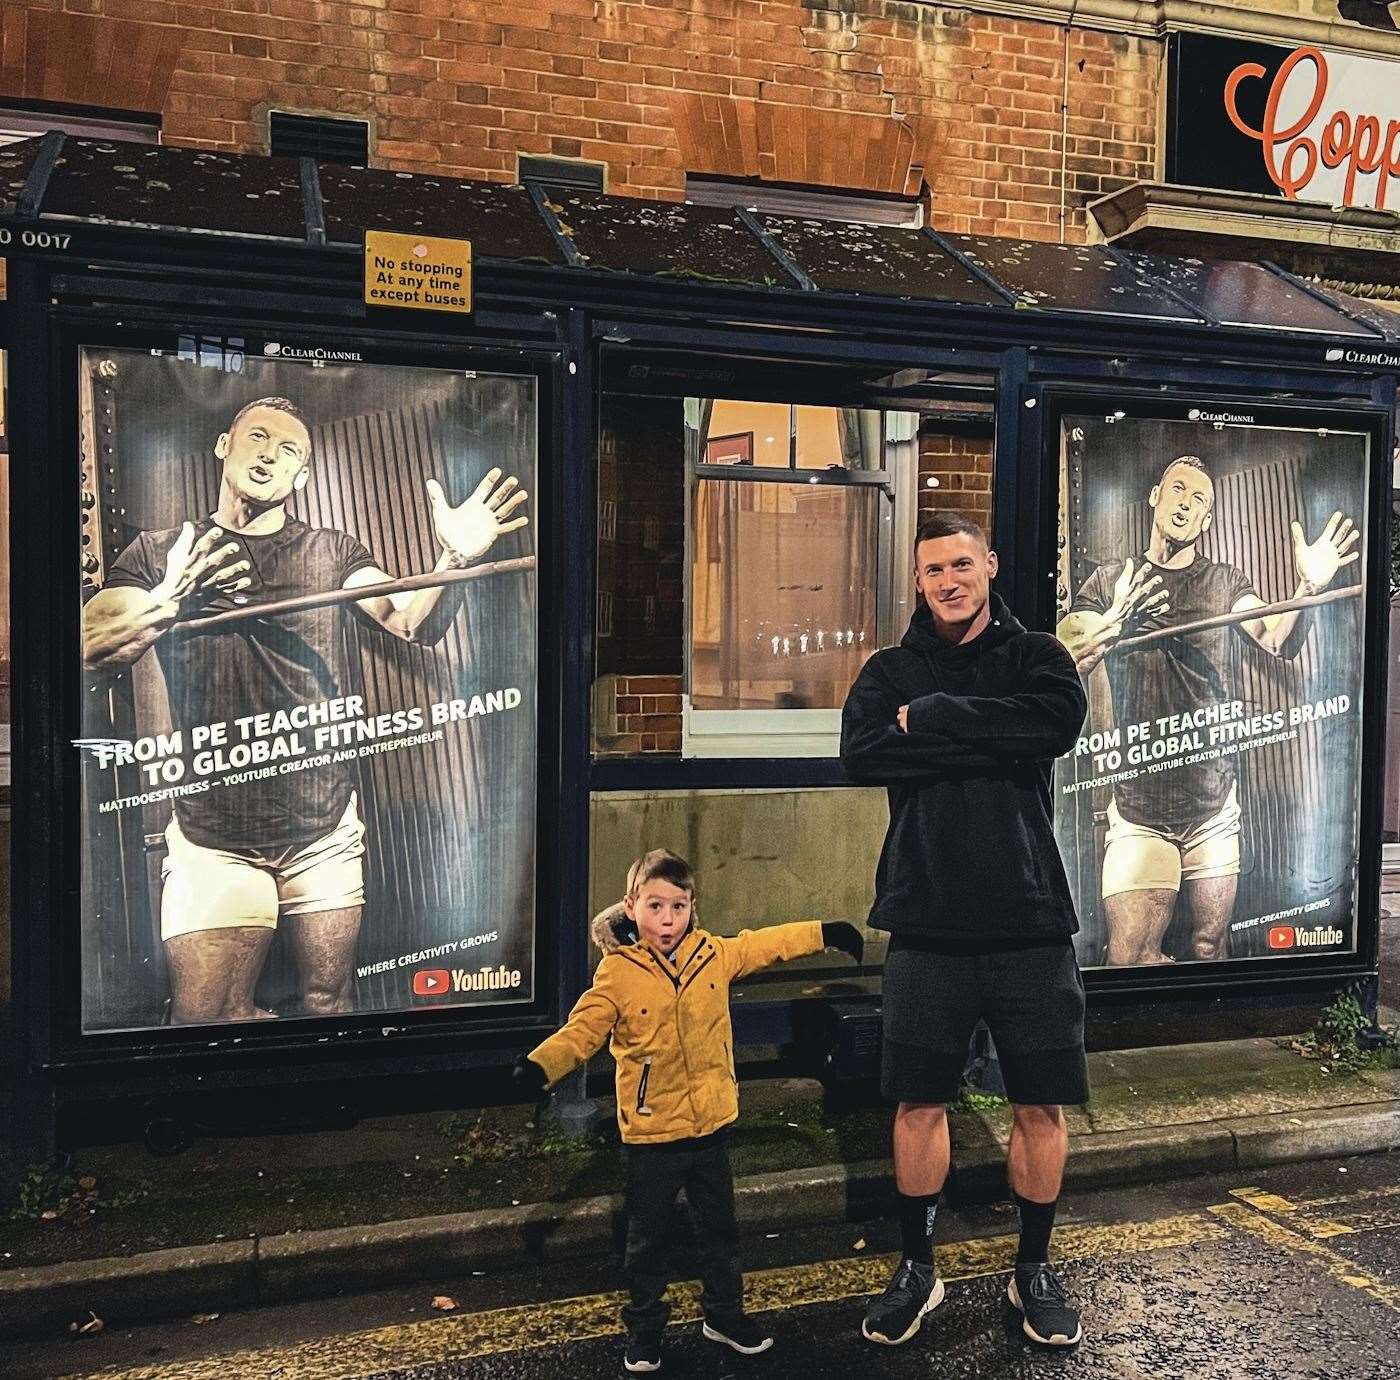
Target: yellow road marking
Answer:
pixel 1301 1218
pixel 466 1336
pixel 1265 1202
pixel 1338 1266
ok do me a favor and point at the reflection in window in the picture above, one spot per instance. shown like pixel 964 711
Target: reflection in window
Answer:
pixel 783 608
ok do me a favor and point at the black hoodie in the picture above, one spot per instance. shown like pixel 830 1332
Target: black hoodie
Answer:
pixel 970 859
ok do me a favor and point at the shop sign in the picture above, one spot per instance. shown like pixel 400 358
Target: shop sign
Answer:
pixel 417 272
pixel 1211 592
pixel 1301 123
pixel 307 749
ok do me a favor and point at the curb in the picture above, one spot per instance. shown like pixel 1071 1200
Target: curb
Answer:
pixel 303 1265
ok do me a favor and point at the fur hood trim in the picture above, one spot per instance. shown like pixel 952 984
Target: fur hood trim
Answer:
pixel 611 929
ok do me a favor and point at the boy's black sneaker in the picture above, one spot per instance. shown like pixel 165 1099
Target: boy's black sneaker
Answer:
pixel 643 1353
pixel 896 1315
pixel 1047 1315
pixel 739 1331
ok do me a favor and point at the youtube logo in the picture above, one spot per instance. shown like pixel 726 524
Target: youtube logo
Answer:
pixel 1281 937
pixel 432 982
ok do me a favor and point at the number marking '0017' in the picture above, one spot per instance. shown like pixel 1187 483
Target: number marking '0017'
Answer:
pixel 34 239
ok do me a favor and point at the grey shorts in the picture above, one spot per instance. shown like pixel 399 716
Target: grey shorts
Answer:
pixel 1031 999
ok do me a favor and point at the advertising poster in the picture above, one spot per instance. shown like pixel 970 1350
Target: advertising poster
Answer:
pixel 1209 589
pixel 308 718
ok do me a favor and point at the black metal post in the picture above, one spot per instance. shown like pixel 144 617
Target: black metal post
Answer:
pixel 37 701
pixel 578 438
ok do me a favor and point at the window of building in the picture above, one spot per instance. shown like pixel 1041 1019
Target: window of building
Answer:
pixel 329 139
pixel 866 208
pixel 788 560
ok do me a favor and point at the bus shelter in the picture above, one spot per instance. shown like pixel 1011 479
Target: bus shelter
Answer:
pixel 585 513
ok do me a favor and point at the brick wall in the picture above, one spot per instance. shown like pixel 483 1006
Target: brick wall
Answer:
pixel 972 103
pixel 962 469
pixel 646 716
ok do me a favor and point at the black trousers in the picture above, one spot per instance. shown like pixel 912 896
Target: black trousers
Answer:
pixel 655 1176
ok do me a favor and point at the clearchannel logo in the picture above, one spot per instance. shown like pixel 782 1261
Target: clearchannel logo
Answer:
pixel 279 351
pixel 1385 359
pixel 1199 414
pixel 1296 937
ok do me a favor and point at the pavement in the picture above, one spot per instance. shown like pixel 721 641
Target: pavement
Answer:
pixel 1290 1273
pixel 265 1221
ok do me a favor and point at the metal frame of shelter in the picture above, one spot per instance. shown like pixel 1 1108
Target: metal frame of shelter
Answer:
pixel 109 243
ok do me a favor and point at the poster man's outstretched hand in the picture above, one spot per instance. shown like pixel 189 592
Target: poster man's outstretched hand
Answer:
pixel 1136 594
pixel 1319 561
pixel 469 530
pixel 198 570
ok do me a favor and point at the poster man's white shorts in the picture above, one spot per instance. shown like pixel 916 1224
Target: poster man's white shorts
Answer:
pixel 214 888
pixel 1137 858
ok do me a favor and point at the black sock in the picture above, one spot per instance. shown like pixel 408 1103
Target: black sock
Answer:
pixel 916 1216
pixel 1037 1222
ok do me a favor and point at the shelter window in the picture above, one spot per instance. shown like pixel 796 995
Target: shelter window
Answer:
pixel 755 545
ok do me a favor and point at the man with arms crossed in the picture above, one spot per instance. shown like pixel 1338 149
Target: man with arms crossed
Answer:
pixel 962 722
pixel 290 845
pixel 1178 832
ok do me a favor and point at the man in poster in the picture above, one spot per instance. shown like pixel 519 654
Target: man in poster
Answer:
pixel 1178 832
pixel 287 847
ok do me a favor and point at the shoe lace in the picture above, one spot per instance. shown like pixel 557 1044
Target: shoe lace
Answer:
pixel 905 1281
pixel 1045 1287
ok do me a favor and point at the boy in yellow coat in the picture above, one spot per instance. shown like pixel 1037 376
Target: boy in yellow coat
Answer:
pixel 660 998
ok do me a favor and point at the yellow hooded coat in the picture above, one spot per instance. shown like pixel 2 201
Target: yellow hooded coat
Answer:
pixel 667 1023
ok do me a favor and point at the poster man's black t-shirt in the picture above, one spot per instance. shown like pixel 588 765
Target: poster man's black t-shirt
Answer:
pixel 254 667
pixel 1173 675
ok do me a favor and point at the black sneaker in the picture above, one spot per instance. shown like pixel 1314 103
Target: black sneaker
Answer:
pixel 1047 1315
pixel 895 1316
pixel 739 1331
pixel 643 1353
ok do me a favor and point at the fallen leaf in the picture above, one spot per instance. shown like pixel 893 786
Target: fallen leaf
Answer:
pixel 48 1215
pixel 443 1303
pixel 200 1318
pixel 860 1245
pixel 93 1325
pixel 87 1182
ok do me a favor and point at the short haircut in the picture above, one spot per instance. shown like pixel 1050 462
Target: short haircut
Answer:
pixel 1193 462
pixel 660 865
pixel 948 525
pixel 277 405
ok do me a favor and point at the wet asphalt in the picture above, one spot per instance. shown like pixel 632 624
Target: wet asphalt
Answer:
pixel 1287 1274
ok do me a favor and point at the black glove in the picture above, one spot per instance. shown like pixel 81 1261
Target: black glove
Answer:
pixel 529 1077
pixel 841 934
